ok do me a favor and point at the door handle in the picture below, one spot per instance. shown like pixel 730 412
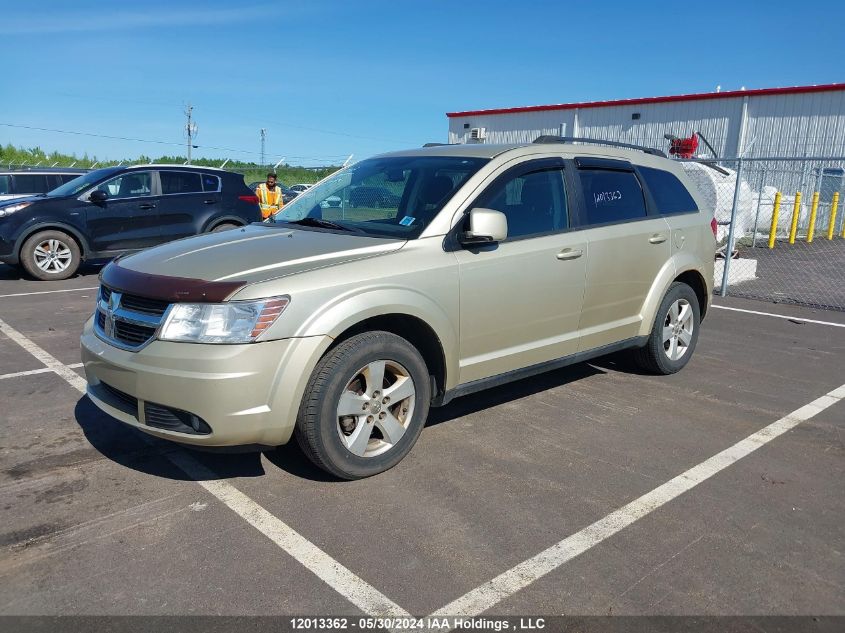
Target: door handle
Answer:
pixel 147 206
pixel 658 238
pixel 212 201
pixel 569 253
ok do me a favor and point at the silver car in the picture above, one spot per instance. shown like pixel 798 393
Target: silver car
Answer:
pixel 341 325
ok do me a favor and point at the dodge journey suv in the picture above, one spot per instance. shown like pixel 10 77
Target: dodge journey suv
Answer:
pixel 342 324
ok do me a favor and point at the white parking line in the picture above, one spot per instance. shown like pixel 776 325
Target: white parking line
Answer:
pixel 32 372
pixel 47 292
pixel 780 316
pixel 356 590
pixel 508 583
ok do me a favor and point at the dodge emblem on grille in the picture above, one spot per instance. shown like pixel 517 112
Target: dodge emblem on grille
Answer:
pixel 113 304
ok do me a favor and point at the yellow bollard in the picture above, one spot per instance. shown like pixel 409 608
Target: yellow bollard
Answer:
pixel 832 224
pixel 811 229
pixel 774 227
pixel 796 209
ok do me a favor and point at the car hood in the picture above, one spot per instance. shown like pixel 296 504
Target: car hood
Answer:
pixel 256 253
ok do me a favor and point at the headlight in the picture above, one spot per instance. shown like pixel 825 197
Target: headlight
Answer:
pixel 13 207
pixel 235 322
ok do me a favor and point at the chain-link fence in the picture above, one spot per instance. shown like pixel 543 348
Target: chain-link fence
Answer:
pixel 781 227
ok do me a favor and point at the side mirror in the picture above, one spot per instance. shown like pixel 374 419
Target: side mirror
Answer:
pixel 98 196
pixel 486 226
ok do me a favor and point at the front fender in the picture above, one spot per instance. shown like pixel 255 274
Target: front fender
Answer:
pixel 45 225
pixel 354 306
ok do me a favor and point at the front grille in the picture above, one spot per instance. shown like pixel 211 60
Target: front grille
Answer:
pixel 143 305
pixel 127 321
pixel 130 401
pixel 132 333
pixel 177 420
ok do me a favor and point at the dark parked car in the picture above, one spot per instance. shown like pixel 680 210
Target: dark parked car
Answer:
pixel 115 210
pixel 373 197
pixel 19 183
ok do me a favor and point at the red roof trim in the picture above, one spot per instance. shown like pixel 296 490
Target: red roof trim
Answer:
pixel 690 97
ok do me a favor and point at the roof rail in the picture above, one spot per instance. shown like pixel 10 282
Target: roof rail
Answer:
pixel 438 144
pixel 547 138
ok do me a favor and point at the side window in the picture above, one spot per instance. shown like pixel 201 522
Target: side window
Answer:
pixel 210 183
pixel 128 185
pixel 668 192
pixel 180 182
pixel 68 177
pixel 534 203
pixel 611 196
pixel 31 183
pixel 5 184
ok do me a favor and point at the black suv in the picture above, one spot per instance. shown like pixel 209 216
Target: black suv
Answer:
pixel 119 209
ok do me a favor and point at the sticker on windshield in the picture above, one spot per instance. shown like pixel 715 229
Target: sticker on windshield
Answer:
pixel 407 220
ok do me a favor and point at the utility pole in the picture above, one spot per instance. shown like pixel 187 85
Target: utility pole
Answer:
pixel 190 129
pixel 263 141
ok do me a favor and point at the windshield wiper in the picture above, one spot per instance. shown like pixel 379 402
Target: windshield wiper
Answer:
pixel 320 222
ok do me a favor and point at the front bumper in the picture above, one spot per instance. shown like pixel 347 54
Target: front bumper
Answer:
pixel 247 394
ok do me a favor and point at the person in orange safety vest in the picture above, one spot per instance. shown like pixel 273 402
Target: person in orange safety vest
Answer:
pixel 269 196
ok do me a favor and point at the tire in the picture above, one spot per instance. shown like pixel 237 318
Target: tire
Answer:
pixel 225 226
pixel 673 336
pixel 360 444
pixel 50 255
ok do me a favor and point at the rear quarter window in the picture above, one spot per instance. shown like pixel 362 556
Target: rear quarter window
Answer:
pixel 210 182
pixel 669 193
pixel 5 184
pixel 611 196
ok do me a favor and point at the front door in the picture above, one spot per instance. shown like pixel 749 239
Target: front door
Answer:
pixel 521 298
pixel 128 219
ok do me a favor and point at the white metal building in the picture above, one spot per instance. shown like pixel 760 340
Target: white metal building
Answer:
pixel 794 122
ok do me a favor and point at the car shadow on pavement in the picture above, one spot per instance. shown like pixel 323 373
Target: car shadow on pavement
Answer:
pixel 10 273
pixel 146 454
pixel 150 455
pixel 510 391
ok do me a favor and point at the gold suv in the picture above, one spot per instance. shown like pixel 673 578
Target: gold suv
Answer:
pixel 397 284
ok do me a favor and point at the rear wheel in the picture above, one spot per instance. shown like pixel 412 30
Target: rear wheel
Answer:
pixel 674 334
pixel 365 405
pixel 224 226
pixel 50 255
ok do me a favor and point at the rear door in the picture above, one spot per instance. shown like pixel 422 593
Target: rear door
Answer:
pixel 188 200
pixel 128 218
pixel 629 244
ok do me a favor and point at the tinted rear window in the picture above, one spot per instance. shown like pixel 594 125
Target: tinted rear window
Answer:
pixel 180 182
pixel 31 183
pixel 668 192
pixel 5 184
pixel 611 196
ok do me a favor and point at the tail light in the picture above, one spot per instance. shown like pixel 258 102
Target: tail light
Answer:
pixel 713 226
pixel 250 199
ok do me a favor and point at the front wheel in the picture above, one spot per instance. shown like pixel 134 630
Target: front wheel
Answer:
pixel 224 226
pixel 365 405
pixel 50 255
pixel 674 334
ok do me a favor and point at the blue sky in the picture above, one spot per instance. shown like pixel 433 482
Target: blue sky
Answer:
pixel 330 78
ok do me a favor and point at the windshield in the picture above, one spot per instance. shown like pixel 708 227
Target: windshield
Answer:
pixel 73 187
pixel 396 196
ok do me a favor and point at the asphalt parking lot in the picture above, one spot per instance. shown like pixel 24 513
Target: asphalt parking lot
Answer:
pixel 591 490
